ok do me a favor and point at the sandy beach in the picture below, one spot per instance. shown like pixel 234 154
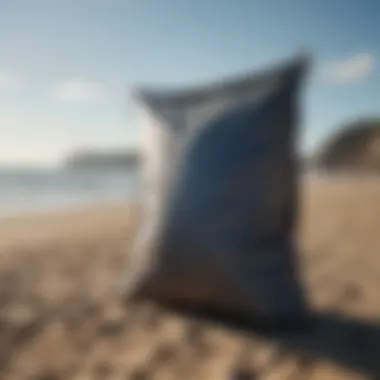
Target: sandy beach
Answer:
pixel 62 316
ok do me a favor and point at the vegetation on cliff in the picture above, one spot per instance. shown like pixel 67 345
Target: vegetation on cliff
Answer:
pixel 356 146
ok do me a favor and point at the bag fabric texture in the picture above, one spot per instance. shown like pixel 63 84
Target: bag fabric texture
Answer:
pixel 220 203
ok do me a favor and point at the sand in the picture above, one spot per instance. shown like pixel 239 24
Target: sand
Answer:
pixel 61 316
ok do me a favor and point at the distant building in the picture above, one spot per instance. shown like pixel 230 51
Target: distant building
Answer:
pixel 94 159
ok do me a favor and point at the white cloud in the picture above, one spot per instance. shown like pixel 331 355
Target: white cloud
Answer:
pixel 8 80
pixel 351 70
pixel 78 90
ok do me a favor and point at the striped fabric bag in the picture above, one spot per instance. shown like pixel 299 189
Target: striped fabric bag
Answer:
pixel 219 166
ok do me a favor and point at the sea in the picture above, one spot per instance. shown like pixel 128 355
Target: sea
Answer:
pixel 30 190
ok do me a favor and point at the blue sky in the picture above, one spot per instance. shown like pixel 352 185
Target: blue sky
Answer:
pixel 66 66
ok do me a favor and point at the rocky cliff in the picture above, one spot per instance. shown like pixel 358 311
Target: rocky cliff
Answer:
pixel 356 146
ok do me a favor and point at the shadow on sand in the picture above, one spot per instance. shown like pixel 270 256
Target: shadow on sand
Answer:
pixel 349 343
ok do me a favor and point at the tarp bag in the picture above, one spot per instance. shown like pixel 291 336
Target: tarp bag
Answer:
pixel 220 202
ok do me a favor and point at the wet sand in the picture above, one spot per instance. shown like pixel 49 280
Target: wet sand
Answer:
pixel 61 316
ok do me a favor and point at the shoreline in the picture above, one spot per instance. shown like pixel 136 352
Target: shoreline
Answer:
pixel 63 209
pixel 78 223
pixel 58 208
pixel 107 218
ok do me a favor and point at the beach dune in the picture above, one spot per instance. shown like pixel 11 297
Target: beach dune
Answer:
pixel 62 317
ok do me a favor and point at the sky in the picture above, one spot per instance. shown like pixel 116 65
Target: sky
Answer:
pixel 67 67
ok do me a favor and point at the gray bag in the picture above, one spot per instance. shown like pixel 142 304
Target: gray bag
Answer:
pixel 220 203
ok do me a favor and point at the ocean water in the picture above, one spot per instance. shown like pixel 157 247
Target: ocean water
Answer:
pixel 42 190
pixel 39 190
